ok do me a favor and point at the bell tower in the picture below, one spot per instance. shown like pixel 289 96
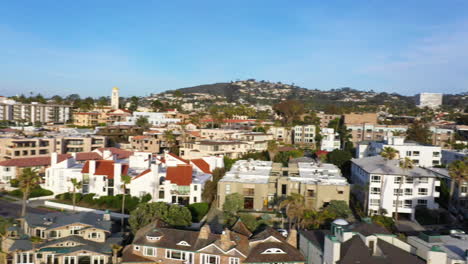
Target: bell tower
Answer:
pixel 115 98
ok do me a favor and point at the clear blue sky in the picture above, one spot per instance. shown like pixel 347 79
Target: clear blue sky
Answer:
pixel 87 47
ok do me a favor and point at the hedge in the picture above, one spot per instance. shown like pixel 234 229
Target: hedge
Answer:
pixel 36 192
pixel 198 210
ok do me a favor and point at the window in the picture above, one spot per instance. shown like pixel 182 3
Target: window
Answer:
pixel 69 260
pixel 228 188
pixel 408 191
pixel 423 180
pixel 310 193
pixel 408 153
pixel 397 179
pixel 174 254
pixel 398 192
pixel 74 230
pixel 234 260
pixel 98 259
pixel 375 190
pixel 422 191
pixel 375 178
pixel 183 243
pixel 400 203
pixel 415 153
pixel 375 202
pixel 422 202
pixel 149 251
pixel 408 180
pixel 408 204
pixel 94 235
pixel 274 251
pixel 436 154
pixel 195 187
pixel 136 248
pixel 209 259
pixel 435 162
pixel 464 189
pixel 416 162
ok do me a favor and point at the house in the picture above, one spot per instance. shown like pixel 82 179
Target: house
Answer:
pixel 421 155
pixel 384 180
pixel 261 182
pixel 363 242
pixel 441 249
pixel 66 238
pixel 155 244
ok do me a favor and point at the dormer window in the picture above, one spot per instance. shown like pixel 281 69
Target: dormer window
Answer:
pixel 153 238
pixel 183 243
pixel 273 251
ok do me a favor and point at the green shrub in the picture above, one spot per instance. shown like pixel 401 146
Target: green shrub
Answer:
pixel 198 210
pixel 36 192
pixel 88 198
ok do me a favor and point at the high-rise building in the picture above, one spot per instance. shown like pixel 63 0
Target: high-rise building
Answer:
pixel 115 98
pixel 431 100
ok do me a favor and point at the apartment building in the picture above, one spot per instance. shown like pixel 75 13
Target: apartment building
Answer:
pixel 326 118
pixel 67 238
pixel 441 136
pixel 386 180
pixel 281 134
pixel 34 112
pixel 369 132
pixel 119 134
pixel 230 148
pixel 304 135
pixel 155 119
pixel 360 118
pixel 156 244
pixel 441 249
pixel 449 156
pixel 431 100
pixel 330 139
pixel 25 147
pixel 99 117
pixel 361 242
pixel 260 182
pixel 421 155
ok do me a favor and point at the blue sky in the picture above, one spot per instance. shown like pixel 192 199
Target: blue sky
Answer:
pixel 87 47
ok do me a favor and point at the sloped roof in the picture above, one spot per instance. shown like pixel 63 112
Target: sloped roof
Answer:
pixel 58 219
pixel 291 254
pixel 104 167
pixel 240 228
pixel 121 154
pixel 179 158
pixel 180 175
pixel 141 174
pixel 33 161
pixel 82 156
pixel 379 165
pixel 316 237
pixel 202 165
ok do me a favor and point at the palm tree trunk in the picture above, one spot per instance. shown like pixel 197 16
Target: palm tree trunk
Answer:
pixel 74 198
pixel 25 198
pixel 122 219
pixel 452 188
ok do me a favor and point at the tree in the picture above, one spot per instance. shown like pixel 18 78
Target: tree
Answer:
pixel 458 171
pixel 145 213
pixel 76 186
pixel 338 209
pixel 133 103
pixel 272 149
pixel 419 132
pixel 389 153
pixel 406 164
pixel 143 122
pixel 314 219
pixel 294 206
pixel 171 140
pixel 211 187
pixel 339 157
pixel 232 205
pixel 27 180
pixel 125 180
pixel 5 224
pixel 156 105
pixel 290 110
pixel 178 216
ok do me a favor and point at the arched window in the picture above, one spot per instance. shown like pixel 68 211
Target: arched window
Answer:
pixel 274 251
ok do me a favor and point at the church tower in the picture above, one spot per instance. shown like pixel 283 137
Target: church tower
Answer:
pixel 115 98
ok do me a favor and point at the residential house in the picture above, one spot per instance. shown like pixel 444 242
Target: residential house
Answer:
pixel 441 249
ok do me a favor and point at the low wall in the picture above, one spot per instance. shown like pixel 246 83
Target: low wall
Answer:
pixel 42 198
pixel 81 209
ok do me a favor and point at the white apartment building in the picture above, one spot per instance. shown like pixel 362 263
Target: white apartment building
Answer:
pixel 304 134
pixel 383 177
pixel 282 134
pixel 34 112
pixel 155 119
pixel 330 139
pixel 421 155
pixel 431 100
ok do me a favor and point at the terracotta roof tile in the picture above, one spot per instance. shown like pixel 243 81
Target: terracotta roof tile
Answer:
pixel 82 156
pixel 104 167
pixel 180 175
pixel 33 161
pixel 202 165
pixel 121 154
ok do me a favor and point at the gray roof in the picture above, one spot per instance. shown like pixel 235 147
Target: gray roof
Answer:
pixel 21 244
pixel 105 247
pixel 57 219
pixel 379 165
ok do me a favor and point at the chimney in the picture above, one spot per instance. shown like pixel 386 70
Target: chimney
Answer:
pixel 292 237
pixel 106 216
pixel 226 240
pixel 107 155
pixel 92 167
pixel 53 158
pixel 205 232
pixel 74 155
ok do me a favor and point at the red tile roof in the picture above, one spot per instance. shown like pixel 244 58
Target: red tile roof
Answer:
pixel 195 133
pixel 180 175
pixel 33 161
pixel 104 167
pixel 141 174
pixel 82 156
pixel 202 165
pixel 141 137
pixel 231 120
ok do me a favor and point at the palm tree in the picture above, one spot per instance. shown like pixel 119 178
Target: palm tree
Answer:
pixel 294 205
pixel 458 171
pixel 27 180
pixel 272 149
pixel 126 179
pixel 76 186
pixel 389 153
pixel 406 164
pixel 314 219
pixel 170 139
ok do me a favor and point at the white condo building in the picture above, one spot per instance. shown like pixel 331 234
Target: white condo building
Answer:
pixel 330 139
pixel 154 119
pixel 382 178
pixel 431 100
pixel 421 155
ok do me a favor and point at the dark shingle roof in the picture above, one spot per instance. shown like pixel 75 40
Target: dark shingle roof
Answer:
pixel 316 237
pixel 290 254
pixel 57 219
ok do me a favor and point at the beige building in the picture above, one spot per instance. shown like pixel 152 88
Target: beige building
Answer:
pixel 99 117
pixel 24 147
pixel 372 132
pixel 360 118
pixel 282 134
pixel 262 182
pixel 326 118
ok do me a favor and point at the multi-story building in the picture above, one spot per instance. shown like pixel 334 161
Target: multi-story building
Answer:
pixel 24 147
pixel 155 119
pixel 366 132
pixel 441 136
pixel 326 118
pixel 282 134
pixel 421 155
pixel 386 180
pixel 449 156
pixel 441 249
pixel 34 112
pixel 330 139
pixel 67 238
pixel 119 134
pixel 115 98
pixel 260 182
pixel 99 117
pixel 155 244
pixel 362 242
pixel 304 135
pixel 360 118
pixel 230 148
pixel 431 100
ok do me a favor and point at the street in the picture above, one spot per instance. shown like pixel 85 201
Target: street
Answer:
pixel 10 209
